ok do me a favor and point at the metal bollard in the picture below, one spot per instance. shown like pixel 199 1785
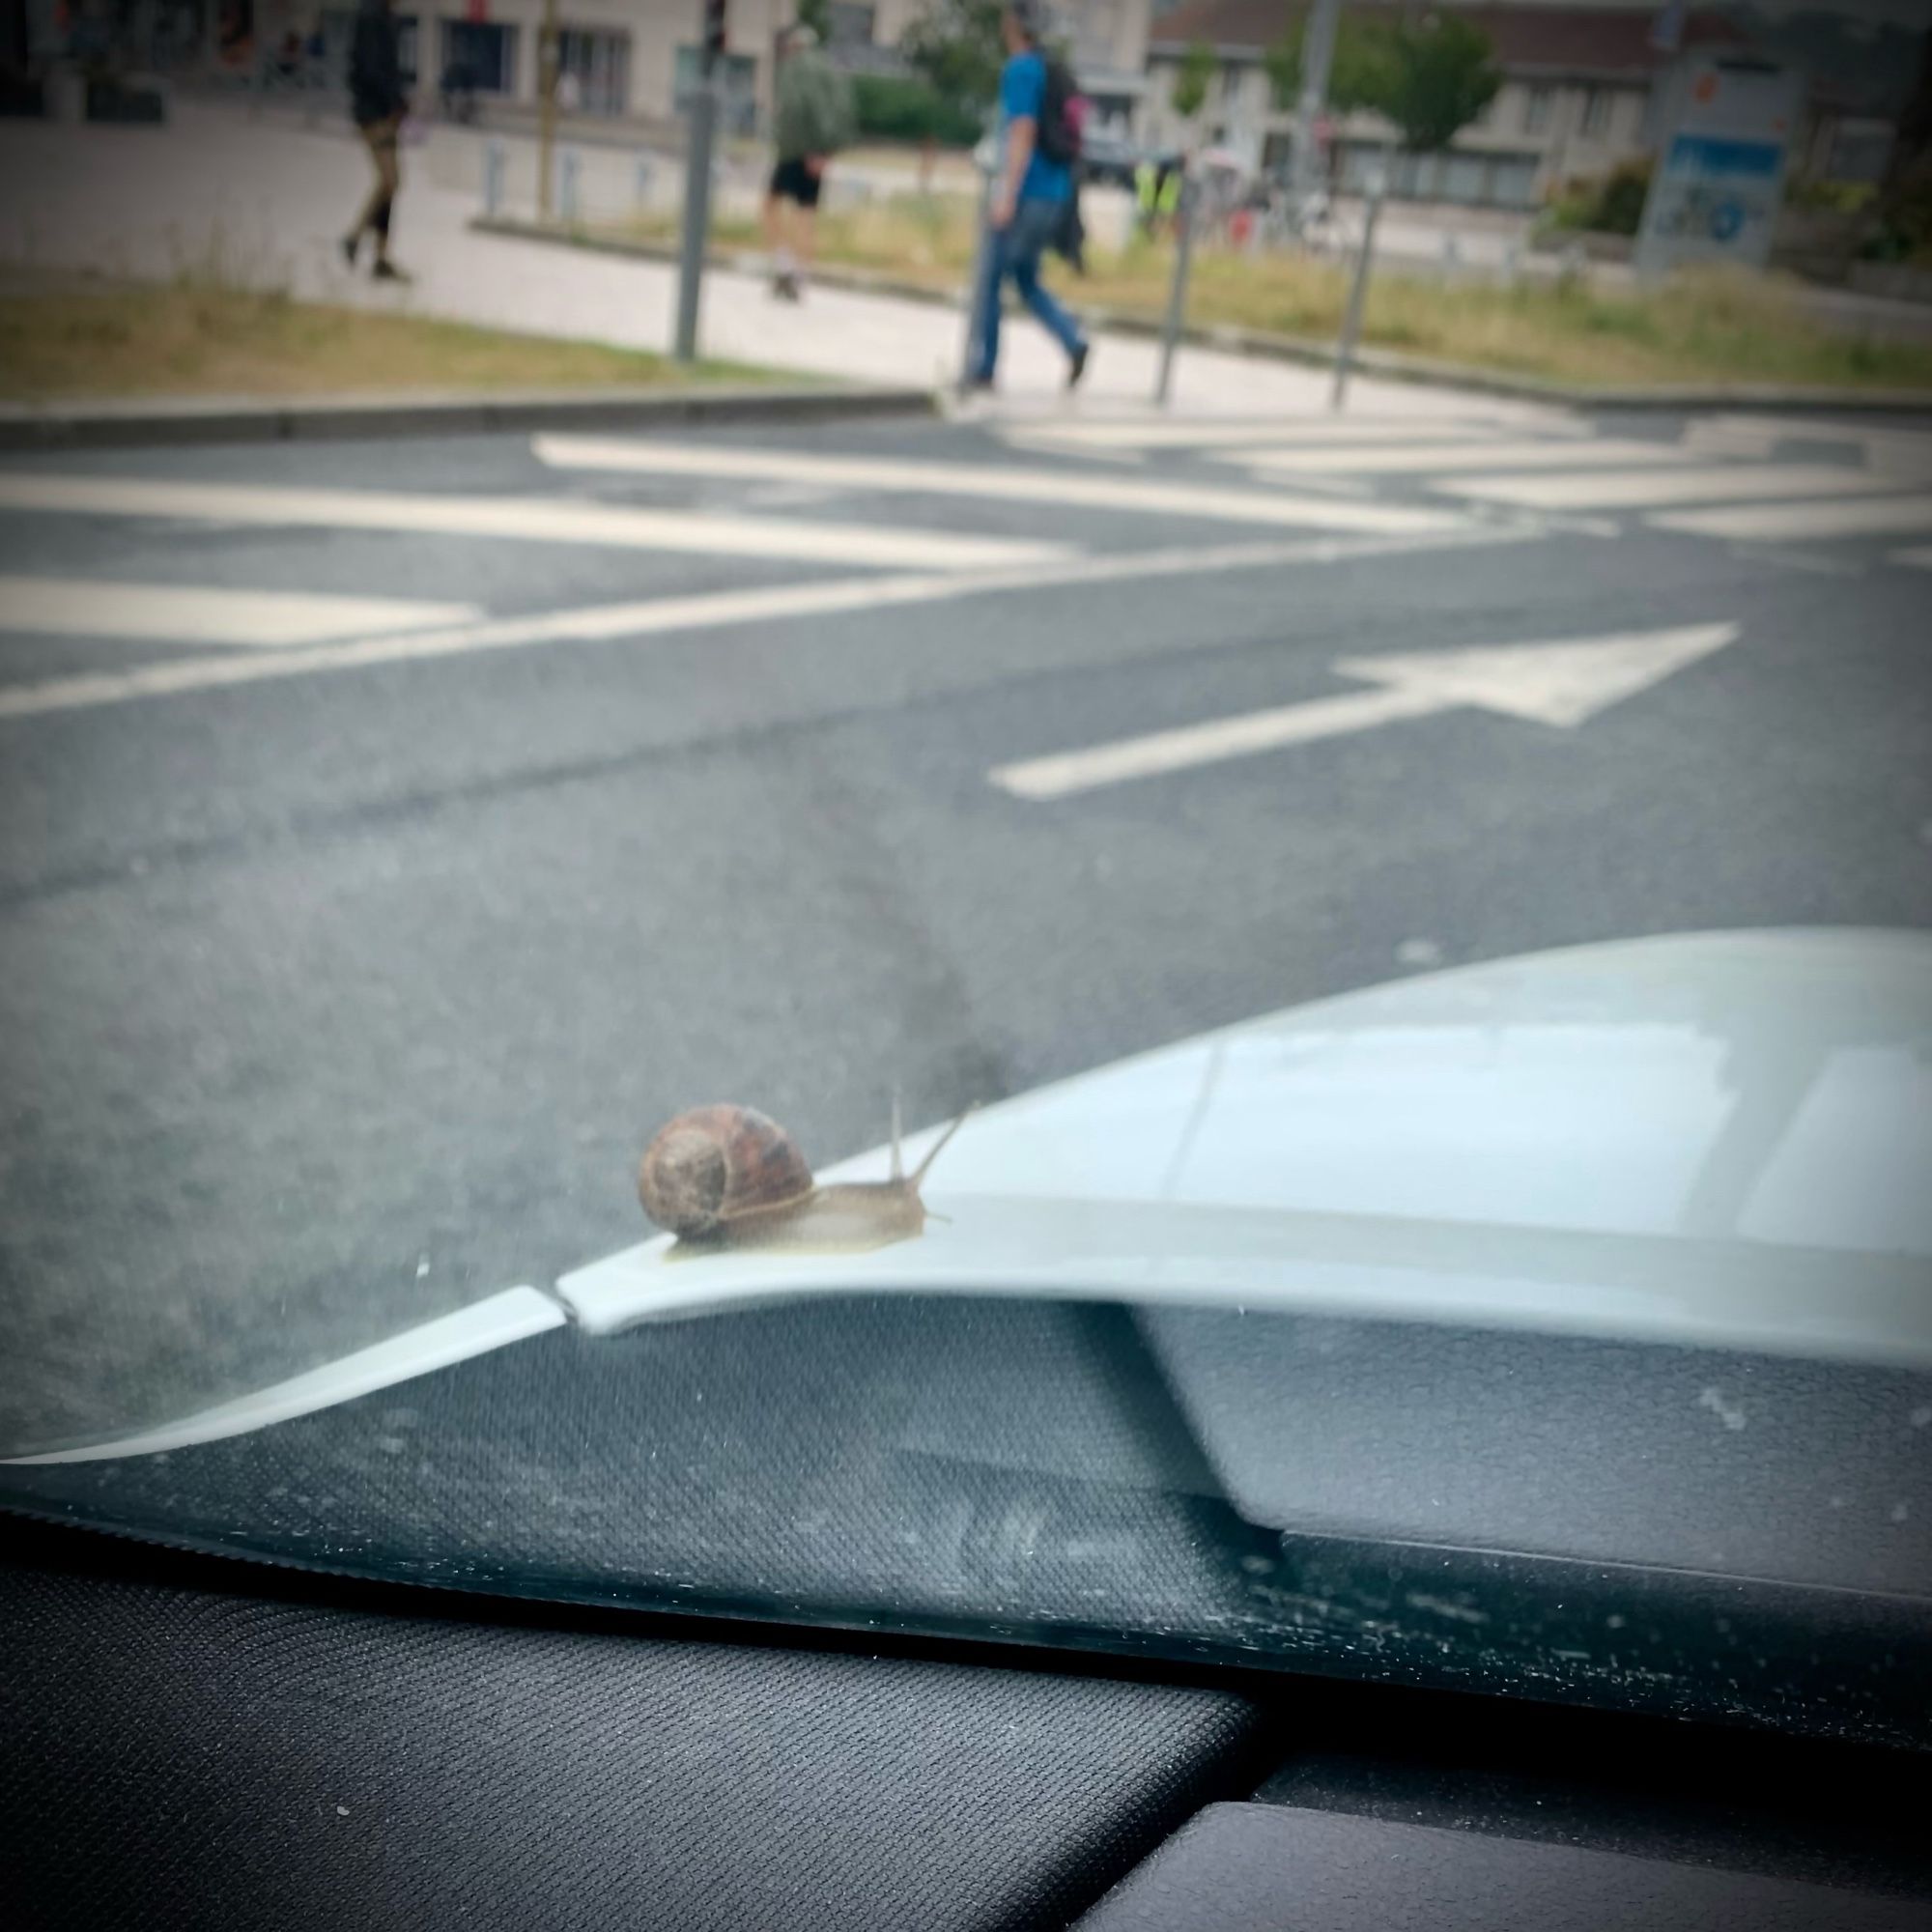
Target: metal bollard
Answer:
pixel 983 267
pixel 568 185
pixel 1177 294
pixel 1359 291
pixel 493 179
pixel 702 109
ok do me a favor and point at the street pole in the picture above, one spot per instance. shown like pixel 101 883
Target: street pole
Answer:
pixel 1358 289
pixel 983 267
pixel 1177 294
pixel 703 111
pixel 546 106
pixel 1318 56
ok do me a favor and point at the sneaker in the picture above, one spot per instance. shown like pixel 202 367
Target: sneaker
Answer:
pixel 386 270
pixel 1076 366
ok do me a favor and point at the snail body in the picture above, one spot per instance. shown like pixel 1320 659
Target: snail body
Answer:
pixel 731 1178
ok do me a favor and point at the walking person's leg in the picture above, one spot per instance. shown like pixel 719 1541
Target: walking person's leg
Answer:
pixel 379 138
pixel 1032 229
pixel 988 298
pixel 366 219
pixel 804 220
pixel 777 241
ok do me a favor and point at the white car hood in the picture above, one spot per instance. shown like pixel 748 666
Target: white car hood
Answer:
pixel 1722 1139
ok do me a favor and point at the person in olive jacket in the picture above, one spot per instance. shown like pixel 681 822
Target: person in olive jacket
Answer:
pixel 377 101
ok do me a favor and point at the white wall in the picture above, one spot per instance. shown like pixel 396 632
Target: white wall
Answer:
pixel 1560 145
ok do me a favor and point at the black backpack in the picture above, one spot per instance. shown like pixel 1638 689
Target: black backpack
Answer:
pixel 1059 136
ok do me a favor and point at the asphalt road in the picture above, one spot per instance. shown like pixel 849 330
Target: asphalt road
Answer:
pixel 341 983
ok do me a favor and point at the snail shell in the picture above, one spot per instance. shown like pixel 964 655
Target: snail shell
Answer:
pixel 718 1164
pixel 729 1177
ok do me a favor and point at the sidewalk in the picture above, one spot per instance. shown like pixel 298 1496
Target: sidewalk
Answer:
pixel 264 201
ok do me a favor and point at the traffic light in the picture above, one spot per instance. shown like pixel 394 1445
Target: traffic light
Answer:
pixel 714 33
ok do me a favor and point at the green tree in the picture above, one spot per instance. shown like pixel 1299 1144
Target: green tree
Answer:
pixel 1441 75
pixel 955 45
pixel 1359 69
pixel 1431 77
pixel 1198 67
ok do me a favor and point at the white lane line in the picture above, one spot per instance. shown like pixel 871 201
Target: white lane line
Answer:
pixel 1064 772
pixel 1418 459
pixel 985 480
pixel 1225 435
pixel 622 622
pixel 1648 489
pixel 181 614
pixel 1887 448
pixel 523 520
pixel 1781 523
pixel 1913 560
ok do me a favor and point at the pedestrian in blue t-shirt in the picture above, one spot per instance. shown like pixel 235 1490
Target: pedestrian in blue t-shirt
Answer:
pixel 1029 196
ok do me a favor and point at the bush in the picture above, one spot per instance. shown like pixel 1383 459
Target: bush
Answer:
pixel 892 109
pixel 1610 204
pixel 1831 197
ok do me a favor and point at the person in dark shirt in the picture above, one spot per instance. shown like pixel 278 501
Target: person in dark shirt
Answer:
pixel 377 101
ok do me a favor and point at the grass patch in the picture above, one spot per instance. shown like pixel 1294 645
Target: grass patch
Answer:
pixel 188 338
pixel 1716 326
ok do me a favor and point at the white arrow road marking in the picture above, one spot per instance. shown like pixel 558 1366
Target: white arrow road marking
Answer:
pixel 1561 684
pixel 1651 488
pixel 1901 451
pixel 1779 522
pixel 1419 459
pixel 182 614
pixel 614 623
pixel 1057 487
pixel 523 520
pixel 1225 434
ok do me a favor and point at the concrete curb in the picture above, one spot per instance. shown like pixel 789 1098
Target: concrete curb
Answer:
pixel 323 419
pixel 1384 364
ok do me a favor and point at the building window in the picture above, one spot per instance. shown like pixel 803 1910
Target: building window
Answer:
pixel 850 26
pixel 1597 111
pixel 737 80
pixel 479 56
pixel 597 67
pixel 1536 109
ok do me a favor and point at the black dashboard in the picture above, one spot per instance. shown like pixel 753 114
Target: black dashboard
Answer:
pixel 988 1614
pixel 197 1741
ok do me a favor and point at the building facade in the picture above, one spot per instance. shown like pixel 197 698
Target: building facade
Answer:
pixel 1575 99
pixel 1106 39
pixel 629 58
pixel 639 58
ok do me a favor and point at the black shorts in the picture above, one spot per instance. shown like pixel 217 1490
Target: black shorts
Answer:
pixel 793 181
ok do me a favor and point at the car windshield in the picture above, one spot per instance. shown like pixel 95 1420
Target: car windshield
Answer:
pixel 1029 837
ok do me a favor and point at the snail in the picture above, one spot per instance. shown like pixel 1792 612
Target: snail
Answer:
pixel 730 1178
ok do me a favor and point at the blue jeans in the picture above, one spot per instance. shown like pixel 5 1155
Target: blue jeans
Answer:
pixel 1016 251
